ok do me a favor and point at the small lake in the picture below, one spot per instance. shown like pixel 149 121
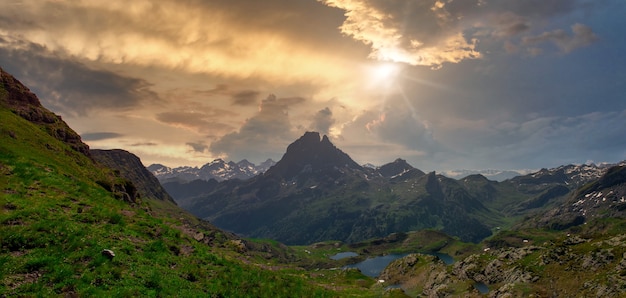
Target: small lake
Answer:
pixel 372 267
pixel 343 255
pixel 446 258
pixel 481 287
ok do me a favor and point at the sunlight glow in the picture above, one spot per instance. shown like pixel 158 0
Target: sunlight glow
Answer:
pixel 383 75
pixel 385 71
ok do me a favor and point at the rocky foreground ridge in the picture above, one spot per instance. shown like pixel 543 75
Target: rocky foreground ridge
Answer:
pixel 568 266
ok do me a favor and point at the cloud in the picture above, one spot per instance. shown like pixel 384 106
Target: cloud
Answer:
pixel 231 39
pixel 199 147
pixel 322 121
pixel 546 141
pixel 144 144
pixel 399 123
pixel 434 32
pixel 220 89
pixel 582 36
pixel 205 120
pixel 245 98
pixel 394 130
pixel 98 136
pixel 265 135
pixel 417 33
pixel 70 87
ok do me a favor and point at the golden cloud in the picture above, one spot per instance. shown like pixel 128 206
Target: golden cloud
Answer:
pixel 393 39
pixel 190 36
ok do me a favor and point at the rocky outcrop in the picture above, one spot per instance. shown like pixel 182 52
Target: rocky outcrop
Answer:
pixel 130 167
pixel 568 266
pixel 21 101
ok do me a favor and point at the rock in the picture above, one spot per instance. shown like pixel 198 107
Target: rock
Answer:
pixel 573 240
pixel 239 245
pixel 108 253
pixel 198 236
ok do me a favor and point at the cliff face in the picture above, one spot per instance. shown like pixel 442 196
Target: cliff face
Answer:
pixel 131 168
pixel 21 101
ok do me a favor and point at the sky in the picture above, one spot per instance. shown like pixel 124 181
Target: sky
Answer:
pixel 443 84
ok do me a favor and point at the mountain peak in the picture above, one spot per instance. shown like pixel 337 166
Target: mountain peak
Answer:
pixel 396 168
pixel 326 140
pixel 312 152
pixel 310 139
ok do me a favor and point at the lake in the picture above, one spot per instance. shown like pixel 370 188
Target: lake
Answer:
pixel 343 255
pixel 373 266
pixel 481 287
pixel 446 258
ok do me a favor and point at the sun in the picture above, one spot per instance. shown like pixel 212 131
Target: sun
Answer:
pixel 385 71
pixel 383 75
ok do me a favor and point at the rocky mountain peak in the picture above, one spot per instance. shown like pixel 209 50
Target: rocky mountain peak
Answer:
pixel 313 153
pixel 395 168
pixel 245 163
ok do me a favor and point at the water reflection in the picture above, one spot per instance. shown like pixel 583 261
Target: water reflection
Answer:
pixel 481 287
pixel 373 266
pixel 446 258
pixel 343 255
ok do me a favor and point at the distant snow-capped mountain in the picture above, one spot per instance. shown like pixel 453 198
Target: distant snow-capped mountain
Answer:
pixel 575 174
pixel 218 169
pixel 495 175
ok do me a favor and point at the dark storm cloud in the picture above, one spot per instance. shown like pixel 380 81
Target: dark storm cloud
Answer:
pixel 401 116
pixel 69 87
pixel 144 144
pixel 98 136
pixel 220 89
pixel 322 121
pixel 245 98
pixel 198 147
pixel 392 133
pixel 238 97
pixel 264 135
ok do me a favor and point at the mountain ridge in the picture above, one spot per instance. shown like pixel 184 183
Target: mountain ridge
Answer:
pixel 217 169
pixel 321 190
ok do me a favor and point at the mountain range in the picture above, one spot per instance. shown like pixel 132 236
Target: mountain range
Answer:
pixel 218 169
pixel 491 174
pixel 79 222
pixel 316 192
